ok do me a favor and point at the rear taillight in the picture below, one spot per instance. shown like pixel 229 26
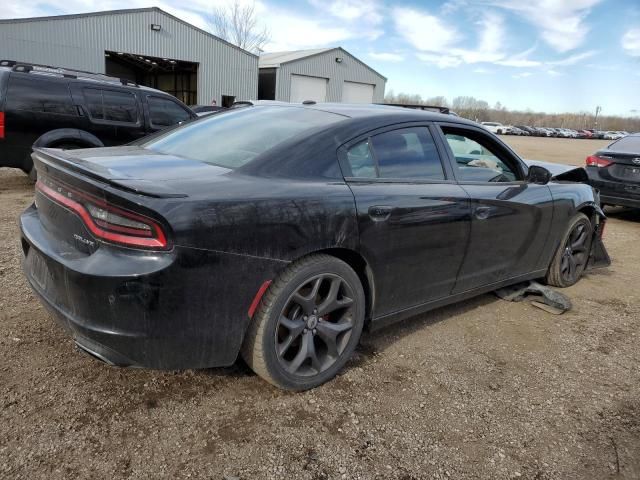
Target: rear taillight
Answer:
pixel 596 161
pixel 105 221
pixel 1 125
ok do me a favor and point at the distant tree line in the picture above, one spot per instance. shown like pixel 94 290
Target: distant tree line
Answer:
pixel 480 111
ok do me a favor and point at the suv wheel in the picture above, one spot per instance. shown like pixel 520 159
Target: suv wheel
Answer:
pixel 308 324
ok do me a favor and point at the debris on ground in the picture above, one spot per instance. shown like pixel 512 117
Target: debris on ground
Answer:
pixel 545 298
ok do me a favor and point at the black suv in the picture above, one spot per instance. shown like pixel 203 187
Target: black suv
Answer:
pixel 55 107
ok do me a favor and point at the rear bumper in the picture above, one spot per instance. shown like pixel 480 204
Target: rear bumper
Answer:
pixel 173 310
pixel 625 194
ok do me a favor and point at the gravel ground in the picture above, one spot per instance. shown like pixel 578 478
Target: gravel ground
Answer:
pixel 482 389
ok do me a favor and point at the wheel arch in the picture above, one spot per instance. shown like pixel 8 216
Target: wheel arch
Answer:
pixel 68 135
pixel 359 264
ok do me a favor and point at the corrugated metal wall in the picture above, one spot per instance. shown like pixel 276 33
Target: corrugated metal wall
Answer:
pixel 80 42
pixel 325 65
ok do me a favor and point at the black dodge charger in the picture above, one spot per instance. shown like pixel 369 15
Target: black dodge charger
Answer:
pixel 278 232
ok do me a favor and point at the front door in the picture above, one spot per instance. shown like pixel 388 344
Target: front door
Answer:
pixel 510 217
pixel 413 219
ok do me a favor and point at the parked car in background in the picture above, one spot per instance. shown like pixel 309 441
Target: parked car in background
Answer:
pixel 613 135
pixel 517 131
pixel 303 224
pixel 528 130
pixel 495 127
pixel 56 107
pixel 597 134
pixel 585 133
pixel 615 172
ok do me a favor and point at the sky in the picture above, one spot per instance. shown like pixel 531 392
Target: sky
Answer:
pixel 543 55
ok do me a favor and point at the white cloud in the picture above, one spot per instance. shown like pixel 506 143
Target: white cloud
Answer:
pixel 631 42
pixel 387 56
pixel 291 32
pixel 438 42
pixel 425 32
pixel 562 21
pixel 522 75
pixel 440 61
pixel 573 59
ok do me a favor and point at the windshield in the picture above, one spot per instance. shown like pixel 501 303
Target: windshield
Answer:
pixel 234 138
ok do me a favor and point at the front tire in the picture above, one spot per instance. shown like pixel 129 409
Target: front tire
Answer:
pixel 308 324
pixel 571 258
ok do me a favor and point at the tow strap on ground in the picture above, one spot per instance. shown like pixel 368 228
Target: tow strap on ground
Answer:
pixel 546 298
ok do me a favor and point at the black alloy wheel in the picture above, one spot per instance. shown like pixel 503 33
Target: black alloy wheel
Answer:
pixel 307 324
pixel 572 256
pixel 315 325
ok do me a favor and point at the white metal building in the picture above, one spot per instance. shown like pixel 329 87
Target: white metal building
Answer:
pixel 145 45
pixel 322 75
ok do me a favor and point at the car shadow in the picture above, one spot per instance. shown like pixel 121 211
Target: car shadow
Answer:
pixel 376 341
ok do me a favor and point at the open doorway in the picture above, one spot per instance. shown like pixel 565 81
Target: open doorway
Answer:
pixel 176 77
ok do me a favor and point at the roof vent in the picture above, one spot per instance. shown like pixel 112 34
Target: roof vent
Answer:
pixel 309 102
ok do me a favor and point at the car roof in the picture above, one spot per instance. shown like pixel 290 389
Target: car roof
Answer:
pixel 364 110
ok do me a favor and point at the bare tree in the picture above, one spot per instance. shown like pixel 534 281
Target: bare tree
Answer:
pixel 238 24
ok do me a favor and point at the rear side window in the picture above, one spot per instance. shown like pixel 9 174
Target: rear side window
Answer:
pixel 39 95
pixel 408 153
pixel 111 105
pixel 165 112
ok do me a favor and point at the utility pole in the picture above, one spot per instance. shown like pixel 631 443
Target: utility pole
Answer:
pixel 598 110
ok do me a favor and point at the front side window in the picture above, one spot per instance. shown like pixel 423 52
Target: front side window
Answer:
pixel 476 161
pixel 165 112
pixel 111 105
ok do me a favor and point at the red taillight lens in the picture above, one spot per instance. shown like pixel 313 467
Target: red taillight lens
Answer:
pixel 1 125
pixel 595 161
pixel 105 221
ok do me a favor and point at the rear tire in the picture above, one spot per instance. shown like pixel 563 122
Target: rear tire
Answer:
pixel 308 324
pixel 572 256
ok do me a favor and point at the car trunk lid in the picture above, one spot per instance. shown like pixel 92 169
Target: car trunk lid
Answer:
pixel 130 168
pixel 624 166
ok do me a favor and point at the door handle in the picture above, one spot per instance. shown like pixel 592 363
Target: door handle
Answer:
pixel 482 213
pixel 379 213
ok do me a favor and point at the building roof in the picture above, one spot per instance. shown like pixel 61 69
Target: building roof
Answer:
pixel 275 59
pixel 123 11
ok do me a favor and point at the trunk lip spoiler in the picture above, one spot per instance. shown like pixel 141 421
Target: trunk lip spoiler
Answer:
pixel 48 158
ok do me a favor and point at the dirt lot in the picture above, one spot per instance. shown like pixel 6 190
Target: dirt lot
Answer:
pixel 569 151
pixel 483 389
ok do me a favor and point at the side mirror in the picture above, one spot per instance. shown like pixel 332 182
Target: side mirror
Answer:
pixel 538 175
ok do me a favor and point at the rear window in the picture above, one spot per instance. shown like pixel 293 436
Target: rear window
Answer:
pixel 39 95
pixel 627 144
pixel 234 138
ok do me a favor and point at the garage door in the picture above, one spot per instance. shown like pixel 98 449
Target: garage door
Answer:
pixel 308 88
pixel 355 92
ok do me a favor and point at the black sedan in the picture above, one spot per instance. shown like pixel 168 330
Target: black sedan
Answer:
pixel 615 171
pixel 278 232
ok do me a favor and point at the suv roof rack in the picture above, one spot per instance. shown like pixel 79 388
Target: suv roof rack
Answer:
pixel 431 108
pixel 27 67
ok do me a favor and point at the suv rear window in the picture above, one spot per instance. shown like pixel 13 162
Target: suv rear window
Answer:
pixel 39 95
pixel 234 138
pixel 111 105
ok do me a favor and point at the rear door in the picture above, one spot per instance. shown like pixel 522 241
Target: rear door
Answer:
pixel 510 218
pixel 413 219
